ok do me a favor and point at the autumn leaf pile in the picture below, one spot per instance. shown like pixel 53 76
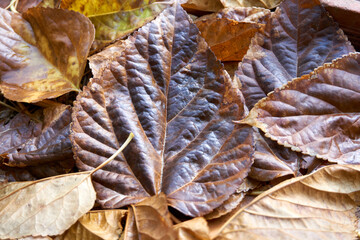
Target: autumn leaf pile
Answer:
pixel 245 117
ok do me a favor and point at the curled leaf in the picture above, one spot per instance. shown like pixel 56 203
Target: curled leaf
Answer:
pixel 317 114
pixel 168 88
pixel 318 206
pixel 299 37
pixel 269 4
pixel 41 56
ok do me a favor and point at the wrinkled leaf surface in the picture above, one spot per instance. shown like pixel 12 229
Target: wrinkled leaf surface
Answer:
pixel 168 89
pixel 317 114
pixel 299 37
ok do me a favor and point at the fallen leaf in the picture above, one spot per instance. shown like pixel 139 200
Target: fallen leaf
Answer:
pixel 272 161
pixel 317 114
pixel 96 225
pixel 194 229
pixel 168 88
pixel 269 4
pixel 195 6
pixel 299 37
pixel 234 200
pixel 115 19
pixel 346 13
pixel 149 219
pixel 32 173
pixel 48 206
pixel 24 5
pixel 4 3
pixel 318 206
pixel 27 143
pixel 41 56
pixel 230 31
pixel 114 26
pixel 44 207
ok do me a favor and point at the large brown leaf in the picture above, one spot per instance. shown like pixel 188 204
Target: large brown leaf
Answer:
pixel 43 52
pixel 229 31
pixel 168 88
pixel 299 37
pixel 28 143
pixel 317 114
pixel 318 206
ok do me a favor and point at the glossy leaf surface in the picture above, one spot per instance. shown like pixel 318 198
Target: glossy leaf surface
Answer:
pixel 251 3
pixel 317 114
pixel 169 90
pixel 28 143
pixel 299 37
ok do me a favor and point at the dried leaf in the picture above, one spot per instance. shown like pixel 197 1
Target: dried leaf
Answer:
pixel 317 114
pixel 251 3
pixel 96 225
pixel 113 26
pixel 115 19
pixel 230 31
pixel 44 207
pixel 346 13
pixel 24 5
pixel 234 200
pixel 194 6
pixel 318 206
pixel 299 37
pixel 41 56
pixel 27 143
pixel 167 88
pixel 194 229
pixel 149 219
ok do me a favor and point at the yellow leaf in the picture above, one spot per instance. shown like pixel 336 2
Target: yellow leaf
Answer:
pixel 43 53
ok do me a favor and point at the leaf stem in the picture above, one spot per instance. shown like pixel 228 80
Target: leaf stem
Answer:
pixel 131 135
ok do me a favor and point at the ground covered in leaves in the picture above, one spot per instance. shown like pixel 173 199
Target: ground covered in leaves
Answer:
pixel 229 119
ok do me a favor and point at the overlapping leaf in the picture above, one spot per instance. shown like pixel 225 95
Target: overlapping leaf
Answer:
pixel 167 88
pixel 41 56
pixel 317 114
pixel 24 5
pixel 96 225
pixel 44 207
pixel 272 160
pixel 251 3
pixel 114 19
pixel 299 37
pixel 322 205
pixel 230 31
pixel 194 6
pixel 27 143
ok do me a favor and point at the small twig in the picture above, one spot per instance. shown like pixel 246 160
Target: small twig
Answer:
pixel 131 135
pixel 10 107
pixel 13 5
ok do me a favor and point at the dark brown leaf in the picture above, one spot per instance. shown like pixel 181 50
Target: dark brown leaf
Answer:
pixel 347 14
pixel 169 90
pixel 299 37
pixel 27 143
pixel 317 114
pixel 43 52
pixel 229 31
